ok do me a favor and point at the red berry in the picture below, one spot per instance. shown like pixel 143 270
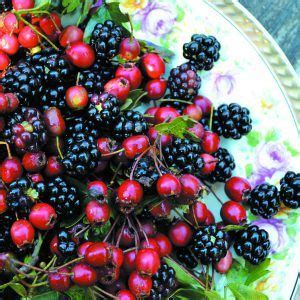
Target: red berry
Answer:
pixel 135 145
pixel 84 275
pixel 224 265
pixel 59 280
pixel 147 261
pixel 209 163
pixel 117 257
pixel 11 169
pixel 165 114
pixel 132 73
pixel 54 246
pixel 81 54
pixel 98 254
pixel 54 121
pixel 156 88
pixel 233 213
pixel 190 188
pixel 42 216
pixel 210 142
pixel 82 248
pixel 129 260
pixel 125 295
pixel 50 24
pixel 127 236
pixel 150 243
pixel 168 185
pixel 5 263
pixel 22 233
pixel 210 219
pixel 97 190
pixel 130 193
pixel 10 23
pixel 148 227
pixel 150 112
pixel 34 162
pixel 53 167
pixel 12 102
pixel 164 244
pixel 119 87
pixel 97 213
pixel 193 111
pixel 106 146
pixel 77 97
pixel 153 65
pixel 139 285
pixel 22 4
pixel 130 49
pixel 3 203
pixel 4 62
pixel 197 213
pixel 9 43
pixel 180 234
pixel 197 130
pixel 161 210
pixel 204 103
pixel 236 187
pixel 37 177
pixel 163 139
pixel 28 38
pixel 71 34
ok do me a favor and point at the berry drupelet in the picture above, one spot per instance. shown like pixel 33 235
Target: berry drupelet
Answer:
pixel 184 82
pixel 290 189
pixel 183 155
pixel 106 39
pixel 26 130
pixel 6 221
pixel 264 200
pixel 63 197
pixel 202 51
pixel 164 283
pixel 209 244
pixel 186 257
pixel 129 123
pixel 253 244
pixel 66 245
pixel 79 125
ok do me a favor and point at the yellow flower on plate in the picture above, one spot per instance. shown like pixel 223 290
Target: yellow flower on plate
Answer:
pixel 131 6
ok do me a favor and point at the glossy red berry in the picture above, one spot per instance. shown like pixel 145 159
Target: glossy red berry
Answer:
pixel 164 244
pixel 117 257
pixel 204 103
pixel 4 62
pixel 150 243
pixel 77 97
pixel 156 88
pixel 54 121
pixel 209 163
pixel 210 142
pixel 22 4
pixel 53 167
pixel 161 209
pixel 97 190
pixel 50 24
pixel 119 87
pixel 22 233
pixel 98 254
pixel 180 234
pixel 233 213
pixel 153 65
pixel 59 280
pixel 135 145
pixel 8 103
pixel 37 177
pixel 71 34
pixel 43 216
pixel 165 114
pixel 139 285
pixel 150 113
pixel 83 275
pixel 81 54
pixel 34 162
pixel 236 187
pixel 193 111
pixel 197 213
pixel 97 213
pixel 132 73
pixel 11 169
pixel 162 139
pixel 210 219
pixel 10 23
pixel 28 38
pixel 224 265
pixel 197 130
pixel 9 43
pixel 54 246
pixel 129 260
pixel 125 295
pixel 81 250
pixel 168 185
pixel 190 188
pixel 126 236
pixel 129 49
pixel 147 261
pixel 148 227
pixel 3 203
pixel 130 193
pixel 106 146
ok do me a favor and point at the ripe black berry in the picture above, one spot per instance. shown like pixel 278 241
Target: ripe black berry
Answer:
pixel 79 125
pixel 209 244
pixel 65 245
pixel 202 51
pixel 186 257
pixel 5 5
pixel 253 244
pixel 6 220
pixel 264 200
pixel 290 189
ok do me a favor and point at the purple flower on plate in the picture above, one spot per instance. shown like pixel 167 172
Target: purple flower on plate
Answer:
pixel 277 233
pixel 157 18
pixel 224 83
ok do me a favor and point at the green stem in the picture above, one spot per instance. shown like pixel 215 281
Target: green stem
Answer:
pixel 207 277
pixel 175 100
pixel 58 148
pixel 211 117
pixel 105 293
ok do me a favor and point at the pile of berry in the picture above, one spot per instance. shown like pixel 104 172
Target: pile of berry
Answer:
pixel 91 185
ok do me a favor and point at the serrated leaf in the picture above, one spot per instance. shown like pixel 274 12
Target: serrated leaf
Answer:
pixel 177 127
pixel 51 295
pixel 70 5
pixel 116 13
pixel 243 292
pixel 19 289
pixel 77 293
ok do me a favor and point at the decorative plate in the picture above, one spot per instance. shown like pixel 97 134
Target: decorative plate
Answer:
pixel 252 71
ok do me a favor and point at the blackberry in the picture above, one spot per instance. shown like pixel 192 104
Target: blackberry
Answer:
pixel 81 155
pixel 66 244
pixel 184 82
pixel 231 121
pixel 130 123
pixel 6 221
pixel 202 51
pixel 290 189
pixel 252 244
pixel 79 125
pixel 104 109
pixel 185 256
pixel 23 193
pixel 63 197
pixel 5 5
pixel 164 283
pixel 224 166
pixel 183 155
pixel 106 39
pixel 209 244
pixel 26 130
pixel 264 200
pixel 23 80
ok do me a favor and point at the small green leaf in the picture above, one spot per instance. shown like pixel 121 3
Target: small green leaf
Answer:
pixel 116 14
pixel 212 295
pixel 19 289
pixel 147 46
pixel 248 170
pixel 254 138
pixel 42 4
pixel 243 292
pixel 99 232
pixel 187 294
pixel 127 104
pixel 237 273
pixel 70 5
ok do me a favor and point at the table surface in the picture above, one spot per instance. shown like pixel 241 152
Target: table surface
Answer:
pixel 282 20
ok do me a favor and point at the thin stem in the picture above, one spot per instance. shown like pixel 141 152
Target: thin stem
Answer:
pixel 68 263
pixel 112 153
pixel 175 100
pixel 7 149
pixel 214 193
pixel 28 266
pixel 115 174
pixel 181 216
pixel 111 228
pixel 155 163
pixel 136 162
pixel 207 277
pixel 211 117
pixel 105 293
pixel 120 235
pixel 82 230
pixel 212 278
pixel 131 26
pixel 142 230
pixel 136 234
pixel 58 148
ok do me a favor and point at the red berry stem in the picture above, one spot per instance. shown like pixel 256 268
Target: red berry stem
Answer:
pixel 136 234
pixel 120 235
pixel 67 264
pixel 136 163
pixel 154 156
pixel 104 292
pixel 112 153
pixel 211 117
pixel 84 229
pixel 7 149
pixel 111 228
pixel 182 216
pixel 115 174
pixel 213 192
pixel 142 230
pixel 58 147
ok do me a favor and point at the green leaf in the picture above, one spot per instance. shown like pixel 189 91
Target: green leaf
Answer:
pixel 187 294
pixel 19 289
pixel 147 46
pixel 99 232
pixel 237 273
pixel 70 5
pixel 116 14
pixel 254 138
pixel 51 295
pixel 293 151
pixel 212 295
pixel 68 223
pixel 182 275
pixel 72 18
pixel 243 292
pixel 86 7
pixel 42 4
pixel 233 227
pixel 177 127
pixel 78 293
pixel 127 104
pixel 248 170
pixel 133 99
